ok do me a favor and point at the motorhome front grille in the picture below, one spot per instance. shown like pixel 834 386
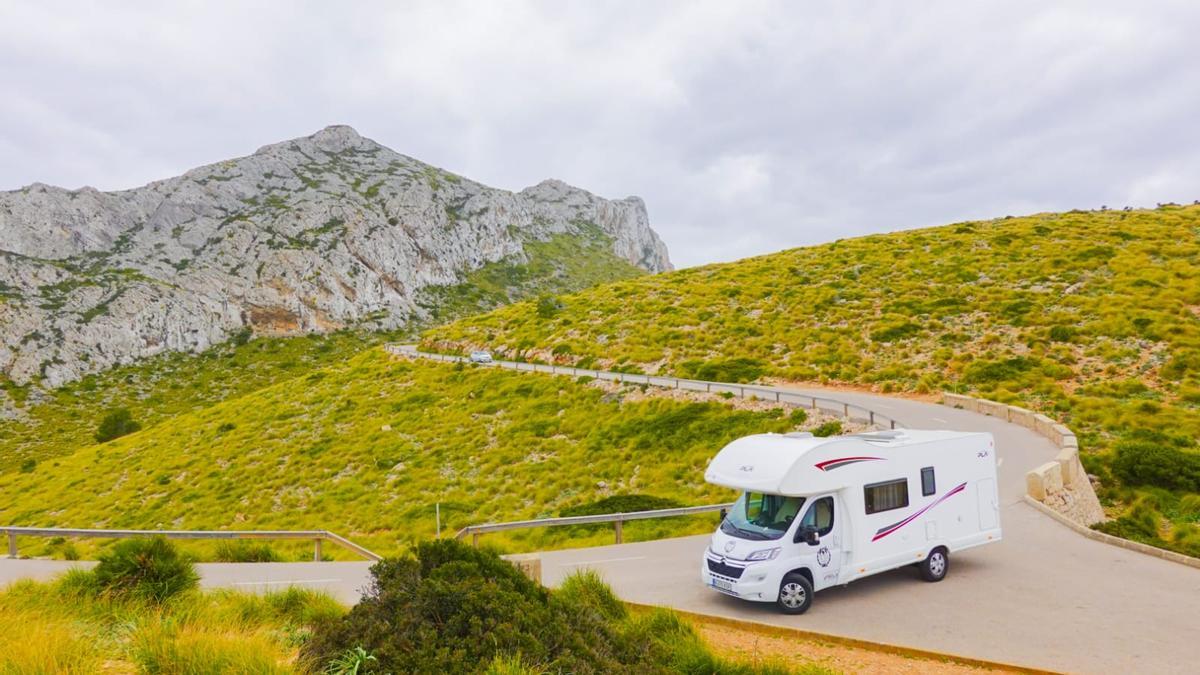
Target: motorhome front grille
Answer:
pixel 724 569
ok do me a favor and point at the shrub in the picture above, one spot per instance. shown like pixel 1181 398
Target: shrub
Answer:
pixel 151 569
pixel 830 428
pixel 458 609
pixel 115 424
pixel 1061 333
pixel 798 416
pixel 453 608
pixel 548 306
pixel 738 369
pixel 621 504
pixel 1189 505
pixel 28 465
pixel 1146 462
pixel 243 551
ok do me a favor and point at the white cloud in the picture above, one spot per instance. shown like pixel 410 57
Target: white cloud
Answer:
pixel 746 127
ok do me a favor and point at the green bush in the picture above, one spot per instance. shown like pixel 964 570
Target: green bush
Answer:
pixel 548 306
pixel 28 465
pixel 115 424
pixel 457 609
pixel 242 551
pixel 830 428
pixel 621 504
pixel 737 369
pixel 798 416
pixel 1145 462
pixel 151 569
pixel 454 608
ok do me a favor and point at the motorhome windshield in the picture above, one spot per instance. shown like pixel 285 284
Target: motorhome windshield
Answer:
pixel 760 516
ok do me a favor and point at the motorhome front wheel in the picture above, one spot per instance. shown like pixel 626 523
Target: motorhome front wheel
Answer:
pixel 795 594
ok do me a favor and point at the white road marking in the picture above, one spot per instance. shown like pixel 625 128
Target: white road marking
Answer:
pixel 291 581
pixel 938 419
pixel 605 560
pixel 999 462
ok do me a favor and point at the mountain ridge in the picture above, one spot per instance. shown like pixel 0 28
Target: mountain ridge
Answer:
pixel 317 233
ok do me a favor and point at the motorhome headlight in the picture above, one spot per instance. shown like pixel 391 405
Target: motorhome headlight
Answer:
pixel 764 554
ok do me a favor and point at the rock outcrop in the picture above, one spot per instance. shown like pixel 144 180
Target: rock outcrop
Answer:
pixel 312 234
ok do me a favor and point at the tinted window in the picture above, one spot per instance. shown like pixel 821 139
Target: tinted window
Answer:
pixel 928 486
pixel 886 496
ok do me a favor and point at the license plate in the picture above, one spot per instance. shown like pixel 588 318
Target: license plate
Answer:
pixel 723 586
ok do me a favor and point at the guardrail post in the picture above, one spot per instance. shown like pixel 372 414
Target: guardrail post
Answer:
pixel 814 402
pixel 475 539
pixel 893 424
pixel 617 527
pixel 316 550
pixel 846 410
pixel 708 387
pixel 872 412
pixel 743 390
pixel 12 544
pixel 777 397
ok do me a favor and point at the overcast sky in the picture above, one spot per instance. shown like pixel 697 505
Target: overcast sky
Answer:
pixel 747 127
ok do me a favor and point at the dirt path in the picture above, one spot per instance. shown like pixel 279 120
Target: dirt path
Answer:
pixel 751 646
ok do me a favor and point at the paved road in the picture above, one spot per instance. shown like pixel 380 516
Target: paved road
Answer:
pixel 1043 597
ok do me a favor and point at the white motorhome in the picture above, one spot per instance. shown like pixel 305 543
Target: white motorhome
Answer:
pixel 819 512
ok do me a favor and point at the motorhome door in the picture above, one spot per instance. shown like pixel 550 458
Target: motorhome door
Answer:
pixel 827 551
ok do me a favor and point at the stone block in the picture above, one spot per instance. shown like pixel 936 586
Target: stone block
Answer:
pixel 530 565
pixel 1044 480
pixel 1068 461
pixel 1021 416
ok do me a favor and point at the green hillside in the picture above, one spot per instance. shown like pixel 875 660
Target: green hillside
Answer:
pixel 50 423
pixel 367 446
pixel 1092 317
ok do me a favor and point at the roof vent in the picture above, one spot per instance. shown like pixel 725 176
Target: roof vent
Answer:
pixel 880 436
pixel 798 434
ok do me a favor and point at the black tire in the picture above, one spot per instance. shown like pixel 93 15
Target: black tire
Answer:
pixel 936 565
pixel 795 594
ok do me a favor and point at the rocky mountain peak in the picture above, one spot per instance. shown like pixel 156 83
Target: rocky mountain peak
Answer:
pixel 312 234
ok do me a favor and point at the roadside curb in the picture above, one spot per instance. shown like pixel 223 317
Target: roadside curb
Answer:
pixel 1109 539
pixel 881 647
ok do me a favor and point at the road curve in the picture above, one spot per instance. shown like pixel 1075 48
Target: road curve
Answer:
pixel 1044 597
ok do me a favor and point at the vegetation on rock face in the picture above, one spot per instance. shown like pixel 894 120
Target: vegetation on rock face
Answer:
pixel 1091 317
pixel 368 446
pixel 53 423
pixel 115 425
pixel 456 609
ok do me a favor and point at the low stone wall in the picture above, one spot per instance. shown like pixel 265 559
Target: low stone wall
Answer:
pixel 1061 484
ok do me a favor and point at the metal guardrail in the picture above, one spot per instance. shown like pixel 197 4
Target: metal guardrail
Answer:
pixel 316 536
pixel 848 411
pixel 615 518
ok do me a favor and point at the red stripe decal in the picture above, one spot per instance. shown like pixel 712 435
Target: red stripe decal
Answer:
pixel 842 461
pixel 885 531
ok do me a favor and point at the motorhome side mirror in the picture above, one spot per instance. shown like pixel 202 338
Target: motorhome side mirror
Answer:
pixel 808 534
pixel 724 513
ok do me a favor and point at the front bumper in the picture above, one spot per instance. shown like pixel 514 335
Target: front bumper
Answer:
pixel 747 580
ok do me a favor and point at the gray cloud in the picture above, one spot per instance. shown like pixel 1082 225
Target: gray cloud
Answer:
pixel 746 127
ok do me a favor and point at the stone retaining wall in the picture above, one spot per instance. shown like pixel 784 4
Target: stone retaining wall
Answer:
pixel 1061 484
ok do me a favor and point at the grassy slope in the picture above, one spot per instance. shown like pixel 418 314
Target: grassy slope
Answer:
pixel 367 447
pixel 58 422
pixel 1090 316
pixel 56 628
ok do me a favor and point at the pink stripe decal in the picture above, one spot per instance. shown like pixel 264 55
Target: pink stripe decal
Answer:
pixel 883 532
pixel 830 464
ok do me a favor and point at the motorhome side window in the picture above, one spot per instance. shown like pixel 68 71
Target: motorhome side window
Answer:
pixel 886 496
pixel 928 485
